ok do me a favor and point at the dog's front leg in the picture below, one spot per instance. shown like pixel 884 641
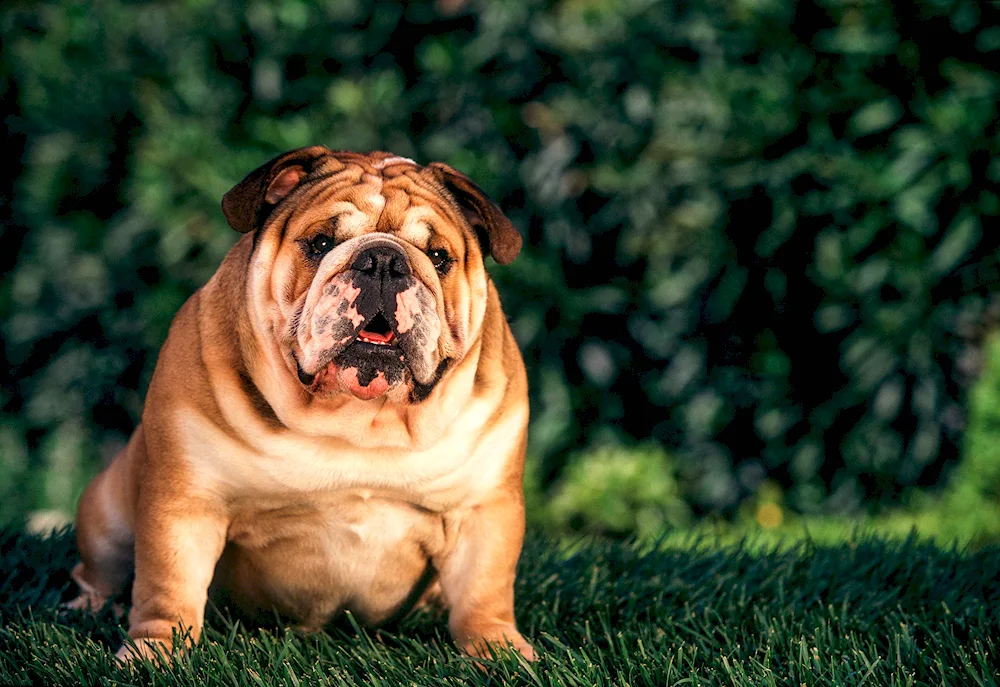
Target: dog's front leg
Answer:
pixel 178 543
pixel 477 576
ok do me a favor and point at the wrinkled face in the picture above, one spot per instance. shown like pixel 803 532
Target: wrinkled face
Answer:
pixel 368 277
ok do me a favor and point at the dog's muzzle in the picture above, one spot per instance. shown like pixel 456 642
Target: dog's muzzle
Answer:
pixel 373 325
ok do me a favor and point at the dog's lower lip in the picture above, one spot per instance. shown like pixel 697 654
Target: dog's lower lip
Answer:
pixel 304 377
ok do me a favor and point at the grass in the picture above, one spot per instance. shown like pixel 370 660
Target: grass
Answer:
pixel 685 612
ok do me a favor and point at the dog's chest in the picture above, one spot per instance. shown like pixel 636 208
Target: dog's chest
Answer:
pixel 310 560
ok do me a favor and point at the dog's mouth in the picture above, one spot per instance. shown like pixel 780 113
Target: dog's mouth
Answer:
pixel 377 331
pixel 368 365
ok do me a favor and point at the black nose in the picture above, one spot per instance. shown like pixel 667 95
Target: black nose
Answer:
pixel 382 262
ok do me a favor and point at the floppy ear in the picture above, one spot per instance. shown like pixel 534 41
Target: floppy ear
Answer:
pixel 496 234
pixel 248 203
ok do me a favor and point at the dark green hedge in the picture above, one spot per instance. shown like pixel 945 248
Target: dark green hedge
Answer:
pixel 759 232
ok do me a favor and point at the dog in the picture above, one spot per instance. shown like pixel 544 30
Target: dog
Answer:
pixel 337 420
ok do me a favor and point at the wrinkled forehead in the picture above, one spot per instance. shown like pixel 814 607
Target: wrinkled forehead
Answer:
pixel 393 195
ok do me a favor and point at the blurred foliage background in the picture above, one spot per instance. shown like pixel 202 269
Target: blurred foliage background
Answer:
pixel 761 244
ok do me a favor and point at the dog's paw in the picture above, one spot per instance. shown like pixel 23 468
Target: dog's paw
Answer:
pixel 484 646
pixel 91 603
pixel 92 598
pixel 432 600
pixel 156 650
pixel 86 601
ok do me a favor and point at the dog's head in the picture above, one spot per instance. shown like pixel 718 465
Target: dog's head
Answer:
pixel 367 270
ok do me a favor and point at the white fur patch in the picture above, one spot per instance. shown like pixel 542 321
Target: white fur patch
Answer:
pixel 382 164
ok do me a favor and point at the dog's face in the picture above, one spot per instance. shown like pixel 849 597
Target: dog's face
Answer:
pixel 367 272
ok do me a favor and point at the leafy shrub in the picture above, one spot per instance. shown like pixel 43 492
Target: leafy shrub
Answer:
pixel 619 491
pixel 755 229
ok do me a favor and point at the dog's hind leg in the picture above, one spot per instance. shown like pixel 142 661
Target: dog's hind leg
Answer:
pixel 104 529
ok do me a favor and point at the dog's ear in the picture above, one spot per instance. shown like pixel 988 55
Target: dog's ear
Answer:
pixel 496 234
pixel 248 203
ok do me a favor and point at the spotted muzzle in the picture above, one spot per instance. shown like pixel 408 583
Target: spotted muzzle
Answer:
pixel 369 327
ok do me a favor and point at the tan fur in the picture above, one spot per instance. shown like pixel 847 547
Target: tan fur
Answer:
pixel 242 481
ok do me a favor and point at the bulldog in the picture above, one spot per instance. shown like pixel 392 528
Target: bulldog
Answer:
pixel 336 422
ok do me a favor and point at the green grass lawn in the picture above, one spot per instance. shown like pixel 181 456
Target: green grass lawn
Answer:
pixel 687 612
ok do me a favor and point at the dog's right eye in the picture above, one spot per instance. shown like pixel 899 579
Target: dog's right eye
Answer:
pixel 319 245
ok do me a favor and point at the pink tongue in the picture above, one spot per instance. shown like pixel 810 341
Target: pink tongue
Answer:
pixel 348 377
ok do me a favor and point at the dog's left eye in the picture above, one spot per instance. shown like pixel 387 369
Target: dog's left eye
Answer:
pixel 440 259
pixel 319 245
